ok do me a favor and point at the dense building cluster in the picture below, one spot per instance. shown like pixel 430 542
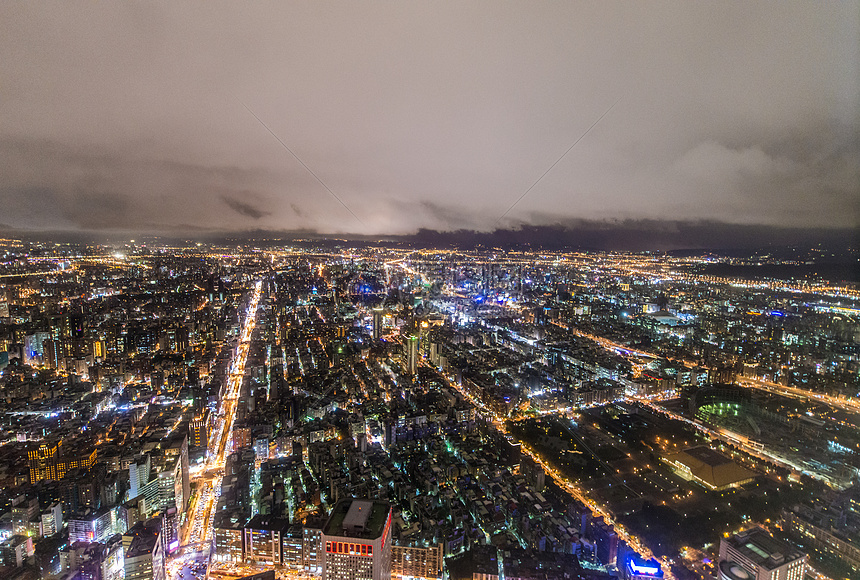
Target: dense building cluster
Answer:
pixel 373 412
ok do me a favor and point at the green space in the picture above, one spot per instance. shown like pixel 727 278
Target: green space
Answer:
pixel 553 439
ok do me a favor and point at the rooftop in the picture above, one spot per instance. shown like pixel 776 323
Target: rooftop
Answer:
pixel 711 467
pixel 355 518
pixel 268 523
pixel 760 547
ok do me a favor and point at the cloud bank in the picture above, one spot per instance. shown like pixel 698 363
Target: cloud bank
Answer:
pixel 129 116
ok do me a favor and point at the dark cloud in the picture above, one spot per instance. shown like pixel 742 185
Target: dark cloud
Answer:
pixel 244 208
pixel 640 235
pixel 428 115
pixel 615 235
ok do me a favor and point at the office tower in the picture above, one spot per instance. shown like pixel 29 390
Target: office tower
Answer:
pixel 377 323
pixel 291 548
pixel 34 347
pixel 170 528
pixel 173 476
pixel 99 349
pixel 131 512
pixel 754 553
pixel 144 552
pixel 264 540
pixel 138 475
pixel 52 520
pixel 178 447
pixel 95 526
pixel 412 354
pixel 199 430
pixel 357 541
pixel 42 464
pixel 229 527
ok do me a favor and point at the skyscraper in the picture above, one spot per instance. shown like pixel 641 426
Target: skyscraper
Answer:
pixel 356 540
pixel 411 354
pixel 377 323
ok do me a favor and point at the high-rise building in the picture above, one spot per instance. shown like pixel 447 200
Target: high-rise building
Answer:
pixel 99 349
pixel 264 537
pixel 15 550
pixel 241 437
pixel 312 552
pixel 131 512
pixel 417 562
pixel 138 474
pixel 411 354
pixel 144 552
pixel 53 351
pixel 34 347
pixel 357 541
pixel 754 553
pixel 169 483
pixel 170 528
pixel 95 526
pixel 292 547
pixel 377 323
pixel 52 520
pixel 53 462
pixel 199 430
pixel 42 462
pixel 229 528
pixel 178 447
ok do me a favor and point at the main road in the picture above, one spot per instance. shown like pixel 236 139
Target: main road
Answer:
pixel 570 486
pixel 197 539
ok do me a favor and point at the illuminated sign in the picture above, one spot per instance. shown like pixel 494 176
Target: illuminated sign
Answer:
pixel 349 548
pixel 386 529
pixel 641 568
pixel 173 545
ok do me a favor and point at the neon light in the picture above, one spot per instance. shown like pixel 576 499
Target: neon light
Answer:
pixel 386 529
pixel 643 569
pixel 649 568
pixel 349 548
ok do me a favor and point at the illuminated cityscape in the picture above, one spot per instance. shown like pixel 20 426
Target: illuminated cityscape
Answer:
pixel 209 411
pixel 430 290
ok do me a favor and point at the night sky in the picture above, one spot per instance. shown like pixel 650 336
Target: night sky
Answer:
pixel 437 115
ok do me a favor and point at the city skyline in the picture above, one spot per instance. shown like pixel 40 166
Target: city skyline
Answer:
pixel 315 410
pixel 125 118
pixel 327 290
